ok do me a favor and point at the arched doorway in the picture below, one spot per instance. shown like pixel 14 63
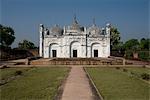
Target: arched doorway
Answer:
pixel 96 50
pixel 54 50
pixel 75 49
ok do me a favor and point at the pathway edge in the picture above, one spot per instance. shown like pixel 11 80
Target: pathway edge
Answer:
pixel 93 84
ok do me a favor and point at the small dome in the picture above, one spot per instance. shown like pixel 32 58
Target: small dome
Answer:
pixel 93 30
pixel 108 25
pixel 56 30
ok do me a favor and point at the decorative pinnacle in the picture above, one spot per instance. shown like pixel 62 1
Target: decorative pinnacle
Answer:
pixel 94 22
pixel 75 19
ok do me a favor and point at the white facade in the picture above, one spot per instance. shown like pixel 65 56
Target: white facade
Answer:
pixel 74 41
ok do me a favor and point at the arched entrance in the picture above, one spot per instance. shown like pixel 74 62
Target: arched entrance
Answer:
pixel 75 49
pixel 54 50
pixel 95 50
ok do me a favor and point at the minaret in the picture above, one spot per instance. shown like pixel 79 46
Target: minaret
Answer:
pixel 108 28
pixel 41 31
pixel 64 30
pixel 86 44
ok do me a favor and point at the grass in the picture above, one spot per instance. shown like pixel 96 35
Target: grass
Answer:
pixel 9 72
pixel 139 71
pixel 34 84
pixel 114 84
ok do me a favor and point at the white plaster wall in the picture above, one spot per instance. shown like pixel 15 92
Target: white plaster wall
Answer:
pixel 66 53
pixel 64 43
pixel 107 51
pixel 40 47
pixel 83 51
pixel 89 51
pixel 46 52
pixel 107 47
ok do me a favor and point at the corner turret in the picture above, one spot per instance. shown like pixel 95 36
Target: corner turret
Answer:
pixel 41 31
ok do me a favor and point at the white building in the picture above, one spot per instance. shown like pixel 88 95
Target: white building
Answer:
pixel 74 41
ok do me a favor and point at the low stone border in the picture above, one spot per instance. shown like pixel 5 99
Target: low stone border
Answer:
pixel 111 66
pixel 93 85
pixel 107 66
pixel 30 66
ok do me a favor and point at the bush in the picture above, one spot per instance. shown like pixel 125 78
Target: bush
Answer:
pixel 117 67
pixel 143 66
pixel 18 72
pixel 132 73
pixel 117 53
pixel 125 70
pixel 145 76
pixel 144 55
pixel 129 54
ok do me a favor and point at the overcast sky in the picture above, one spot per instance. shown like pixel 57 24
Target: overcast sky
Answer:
pixel 131 17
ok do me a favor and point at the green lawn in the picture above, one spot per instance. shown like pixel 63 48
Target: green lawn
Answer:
pixel 9 72
pixel 115 84
pixel 34 83
pixel 139 71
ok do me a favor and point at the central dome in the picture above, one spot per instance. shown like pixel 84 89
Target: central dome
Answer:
pixel 75 25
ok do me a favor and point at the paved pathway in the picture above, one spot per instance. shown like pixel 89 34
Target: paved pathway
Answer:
pixel 77 86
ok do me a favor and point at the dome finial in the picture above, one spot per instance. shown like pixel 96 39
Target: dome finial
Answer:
pixel 94 22
pixel 75 19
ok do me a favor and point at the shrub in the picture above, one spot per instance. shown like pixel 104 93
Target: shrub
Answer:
pixel 144 55
pixel 145 76
pixel 132 73
pixel 129 54
pixel 143 66
pixel 18 72
pixel 117 67
pixel 125 70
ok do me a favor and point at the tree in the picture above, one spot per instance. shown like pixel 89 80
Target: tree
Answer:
pixel 114 38
pixel 6 36
pixel 132 44
pixel 144 44
pixel 26 45
pixel 119 46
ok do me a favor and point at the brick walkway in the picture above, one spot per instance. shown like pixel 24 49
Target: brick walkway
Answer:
pixel 77 86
